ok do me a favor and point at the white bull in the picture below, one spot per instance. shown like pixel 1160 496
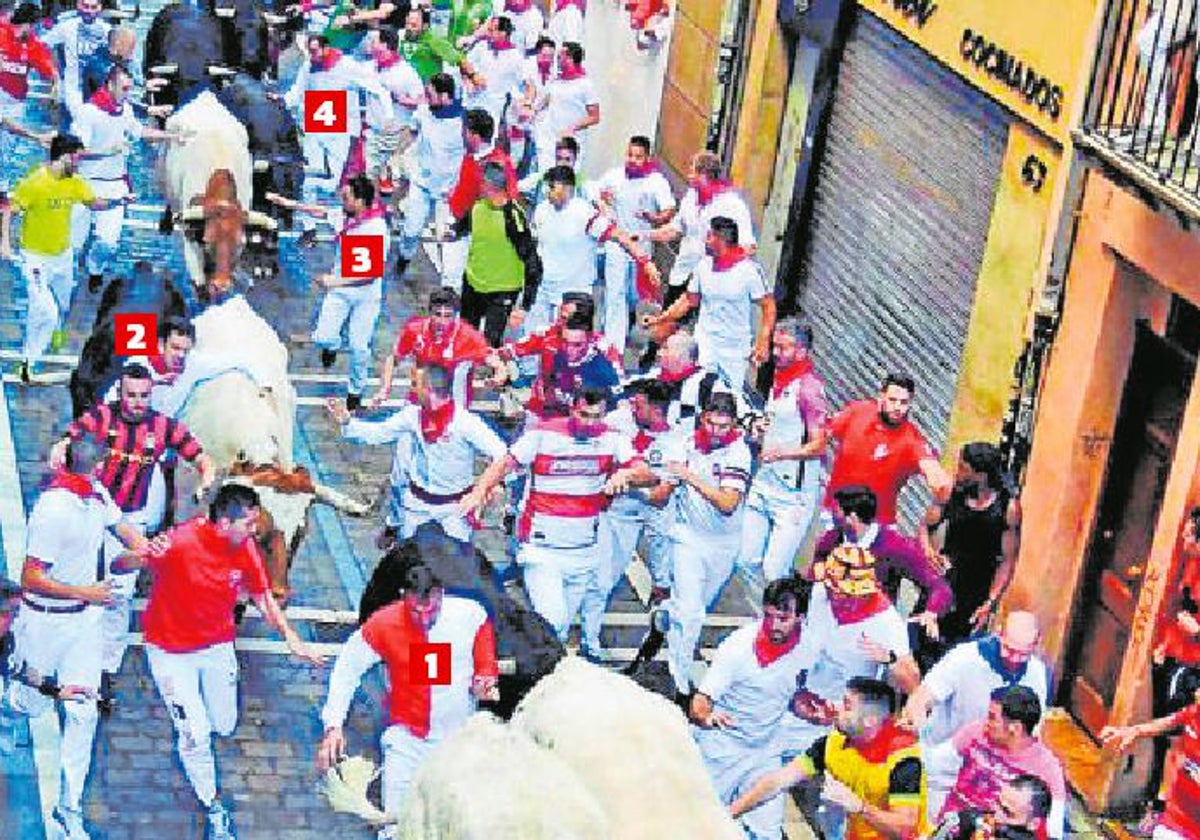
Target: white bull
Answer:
pixel 209 179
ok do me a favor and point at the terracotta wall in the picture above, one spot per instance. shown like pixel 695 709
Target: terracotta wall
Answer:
pixel 691 73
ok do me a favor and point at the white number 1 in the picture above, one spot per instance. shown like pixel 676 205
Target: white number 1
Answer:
pixel 431 660
pixel 325 113
pixel 137 337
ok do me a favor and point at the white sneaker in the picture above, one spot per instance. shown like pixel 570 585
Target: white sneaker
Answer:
pixel 220 824
pixel 69 824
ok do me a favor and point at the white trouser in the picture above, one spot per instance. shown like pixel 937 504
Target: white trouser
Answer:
pixel 200 690
pixel 50 281
pixel 545 306
pixel 619 274
pixel 325 158
pixel 116 613
pixel 67 647
pixel 1162 832
pixel 701 563
pixel 626 524
pixel 734 768
pixel 403 753
pixel 380 148
pixel 411 513
pixel 359 306
pixel 563 582
pixel 729 360
pixel 105 225
pixel 942 763
pixel 420 207
pixel 774 528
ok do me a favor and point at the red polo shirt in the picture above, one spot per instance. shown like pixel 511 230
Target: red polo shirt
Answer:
pixel 1183 799
pixel 460 343
pixel 872 454
pixel 470 181
pixel 195 585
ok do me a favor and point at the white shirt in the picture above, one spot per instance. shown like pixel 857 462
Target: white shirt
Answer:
pixel 650 193
pixel 961 685
pixel 693 222
pixel 98 130
pixel 503 72
pixel 67 534
pixel 567 241
pixel 568 101
pixel 371 226
pixel 441 467
pixel 401 81
pixel 728 467
pixel 527 25
pixel 79 41
pixel 439 152
pixel 357 78
pixel 566 25
pixel 727 301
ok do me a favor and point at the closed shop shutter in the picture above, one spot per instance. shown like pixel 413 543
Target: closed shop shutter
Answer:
pixel 900 218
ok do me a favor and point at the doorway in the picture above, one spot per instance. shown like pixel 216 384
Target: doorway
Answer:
pixel 1143 447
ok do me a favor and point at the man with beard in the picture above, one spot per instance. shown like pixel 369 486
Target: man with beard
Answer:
pixel 578 363
pixel 139 439
pixel 872 768
pixel 710 468
pixel 437 444
pixel 176 337
pixel 353 303
pixel 1020 814
pixel 878 446
pixel 784 495
pixel 440 338
pixel 745 693
pixel 45 197
pixel 726 287
pixel 981 525
pixel 81 34
pixel 575 464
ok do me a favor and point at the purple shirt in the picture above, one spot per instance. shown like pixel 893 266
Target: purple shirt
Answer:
pixel 893 550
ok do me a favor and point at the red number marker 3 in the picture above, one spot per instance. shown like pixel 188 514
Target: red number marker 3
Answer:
pixel 362 257
pixel 325 111
pixel 430 664
pixel 135 334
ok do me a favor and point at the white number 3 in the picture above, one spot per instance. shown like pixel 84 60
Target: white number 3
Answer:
pixel 362 259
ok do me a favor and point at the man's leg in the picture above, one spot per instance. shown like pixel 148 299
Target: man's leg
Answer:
pixel 335 309
pixel 686 610
pixel 364 315
pixel 418 210
pixel 42 317
pixel 61 277
pixel 403 753
pixel 617 267
pixel 106 229
pixel 545 585
pixel 791 519
pixel 756 533
pixel 218 686
pixel 80 667
pixel 177 676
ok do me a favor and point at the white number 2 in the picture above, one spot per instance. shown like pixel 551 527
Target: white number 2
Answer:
pixel 362 259
pixel 137 337
pixel 325 113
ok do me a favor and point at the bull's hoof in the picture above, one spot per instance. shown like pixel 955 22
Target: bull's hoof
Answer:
pixel 166 223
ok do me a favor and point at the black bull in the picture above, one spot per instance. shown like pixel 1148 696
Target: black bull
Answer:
pixel 523 638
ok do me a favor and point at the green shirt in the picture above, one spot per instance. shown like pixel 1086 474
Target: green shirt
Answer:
pixel 492 261
pixel 348 39
pixel 429 53
pixel 466 15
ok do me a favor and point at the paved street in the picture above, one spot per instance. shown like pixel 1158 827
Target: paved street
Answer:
pixel 136 788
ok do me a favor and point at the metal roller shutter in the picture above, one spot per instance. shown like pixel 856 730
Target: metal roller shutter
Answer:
pixel 900 217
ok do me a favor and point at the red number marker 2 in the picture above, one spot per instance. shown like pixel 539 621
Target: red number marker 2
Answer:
pixel 429 664
pixel 362 257
pixel 135 334
pixel 325 111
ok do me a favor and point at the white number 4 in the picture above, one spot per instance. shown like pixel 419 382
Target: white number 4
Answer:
pixel 325 113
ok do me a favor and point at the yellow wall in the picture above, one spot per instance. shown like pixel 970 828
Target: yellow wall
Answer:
pixel 1003 291
pixel 763 101
pixel 1049 36
pixel 691 75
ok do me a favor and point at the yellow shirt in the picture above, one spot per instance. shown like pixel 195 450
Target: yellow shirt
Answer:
pixel 46 201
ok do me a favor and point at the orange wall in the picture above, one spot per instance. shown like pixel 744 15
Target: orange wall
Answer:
pixel 691 73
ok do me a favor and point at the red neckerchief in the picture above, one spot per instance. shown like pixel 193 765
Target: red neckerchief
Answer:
pixel 501 46
pixel 444 340
pixel 706 443
pixel 569 75
pixel 678 376
pixel 103 100
pixel 732 256
pixel 545 72
pixel 889 739
pixel 643 439
pixel 559 5
pixel 435 421
pixel 80 485
pixel 645 170
pixel 375 211
pixel 388 59
pixel 849 609
pixel 766 651
pixel 786 376
pixel 706 194
pixel 328 59
pixel 518 6
pixel 158 364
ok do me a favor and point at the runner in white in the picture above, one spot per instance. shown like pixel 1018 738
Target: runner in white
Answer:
pixel 437 444
pixel 566 21
pixel 575 464
pixel 500 66
pixel 569 107
pixel 640 198
pixel 711 468
pixel 80 34
pixel 384 135
pixel 528 22
pixel 786 491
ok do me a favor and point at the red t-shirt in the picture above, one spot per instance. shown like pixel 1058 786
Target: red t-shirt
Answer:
pixel 1179 644
pixel 875 455
pixel 18 57
pixel 195 586
pixel 461 343
pixel 1183 799
pixel 470 181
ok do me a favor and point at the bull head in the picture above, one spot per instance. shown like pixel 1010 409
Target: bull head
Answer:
pixel 224 222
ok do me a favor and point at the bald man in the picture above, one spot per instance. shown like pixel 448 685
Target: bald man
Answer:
pixel 958 689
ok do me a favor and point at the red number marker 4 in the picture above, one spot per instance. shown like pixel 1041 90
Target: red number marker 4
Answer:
pixel 430 664
pixel 325 111
pixel 135 334
pixel 362 257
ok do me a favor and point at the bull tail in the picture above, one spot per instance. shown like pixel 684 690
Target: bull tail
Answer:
pixel 340 501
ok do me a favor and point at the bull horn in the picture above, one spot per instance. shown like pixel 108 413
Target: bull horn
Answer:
pixel 164 69
pixel 191 214
pixel 254 217
pixel 340 500
pixel 261 165
pixel 225 12
pixel 272 19
pixel 220 71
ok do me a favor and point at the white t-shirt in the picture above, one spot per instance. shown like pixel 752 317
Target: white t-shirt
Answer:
pixel 98 130
pixel 503 71
pixel 961 685
pixel 727 301
pixel 568 104
pixel 567 241
pixel 79 41
pixel 566 25
pixel 527 25
pixel 67 534
pixel 728 467
pixel 651 193
pixel 400 80
pixel 693 222
pixel 440 150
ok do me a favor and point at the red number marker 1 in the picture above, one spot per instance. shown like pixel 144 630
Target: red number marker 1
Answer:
pixel 362 257
pixel 135 333
pixel 325 111
pixel 429 664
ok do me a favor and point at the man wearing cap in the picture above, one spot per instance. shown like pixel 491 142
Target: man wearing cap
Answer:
pixel 20 52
